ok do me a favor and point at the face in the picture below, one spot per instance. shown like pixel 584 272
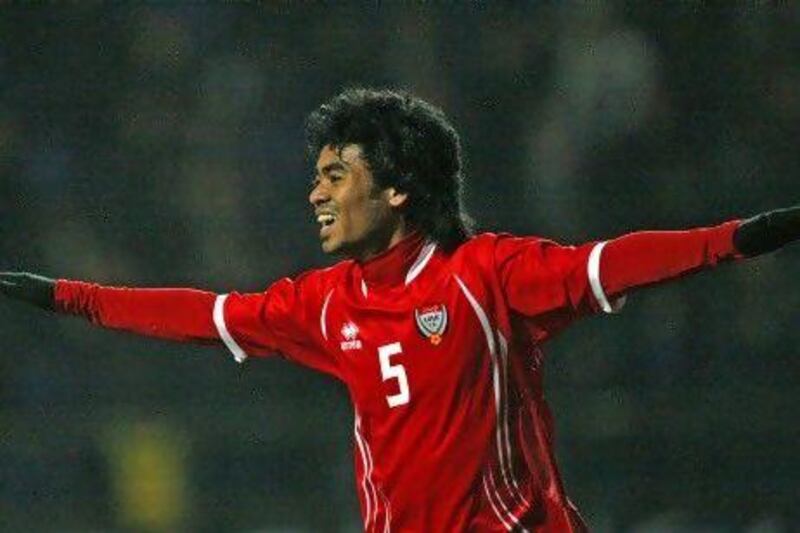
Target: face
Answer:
pixel 357 218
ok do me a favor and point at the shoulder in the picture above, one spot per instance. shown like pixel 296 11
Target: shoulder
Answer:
pixel 326 276
pixel 316 281
pixel 498 251
pixel 476 243
pixel 490 243
pixel 478 251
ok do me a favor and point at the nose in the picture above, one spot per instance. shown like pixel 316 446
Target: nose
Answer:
pixel 318 195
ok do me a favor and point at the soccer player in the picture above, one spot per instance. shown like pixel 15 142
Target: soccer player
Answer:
pixel 436 332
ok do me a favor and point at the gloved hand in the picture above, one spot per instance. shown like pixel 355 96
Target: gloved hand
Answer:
pixel 31 288
pixel 768 231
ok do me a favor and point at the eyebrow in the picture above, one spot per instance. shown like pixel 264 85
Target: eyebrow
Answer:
pixel 336 165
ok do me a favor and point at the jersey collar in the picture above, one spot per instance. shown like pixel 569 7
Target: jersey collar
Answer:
pixel 400 264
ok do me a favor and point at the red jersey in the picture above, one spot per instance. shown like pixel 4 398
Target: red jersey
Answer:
pixel 441 355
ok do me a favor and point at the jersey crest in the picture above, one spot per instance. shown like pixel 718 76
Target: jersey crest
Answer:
pixel 432 322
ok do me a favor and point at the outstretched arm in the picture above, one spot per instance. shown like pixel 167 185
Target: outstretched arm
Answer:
pixel 645 258
pixel 554 284
pixel 177 314
pixel 282 319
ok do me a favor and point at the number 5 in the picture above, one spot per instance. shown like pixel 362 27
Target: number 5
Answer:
pixel 397 372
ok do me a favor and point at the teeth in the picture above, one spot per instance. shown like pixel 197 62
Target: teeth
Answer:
pixel 325 219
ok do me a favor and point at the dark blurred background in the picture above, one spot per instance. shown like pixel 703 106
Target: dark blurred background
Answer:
pixel 163 146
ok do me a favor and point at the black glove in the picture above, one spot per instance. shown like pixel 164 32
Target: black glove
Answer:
pixel 768 231
pixel 36 290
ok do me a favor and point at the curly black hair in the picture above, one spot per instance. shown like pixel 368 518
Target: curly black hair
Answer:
pixel 408 144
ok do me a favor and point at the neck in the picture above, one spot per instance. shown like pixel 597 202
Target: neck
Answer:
pixel 392 267
pixel 383 242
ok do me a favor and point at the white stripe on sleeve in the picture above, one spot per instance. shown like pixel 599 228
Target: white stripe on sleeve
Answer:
pixel 219 320
pixel 594 280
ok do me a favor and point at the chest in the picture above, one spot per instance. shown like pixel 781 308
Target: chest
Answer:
pixel 409 350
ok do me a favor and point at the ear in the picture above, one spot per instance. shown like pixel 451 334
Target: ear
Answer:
pixel 395 197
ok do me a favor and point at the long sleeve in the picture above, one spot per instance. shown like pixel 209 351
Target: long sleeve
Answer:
pixel 283 319
pixel 648 257
pixel 550 285
pixel 176 314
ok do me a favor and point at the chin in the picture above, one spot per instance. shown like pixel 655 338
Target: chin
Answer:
pixel 329 247
pixel 340 249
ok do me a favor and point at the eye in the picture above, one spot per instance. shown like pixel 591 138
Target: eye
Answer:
pixel 335 177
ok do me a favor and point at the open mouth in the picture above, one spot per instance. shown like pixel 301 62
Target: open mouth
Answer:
pixel 326 219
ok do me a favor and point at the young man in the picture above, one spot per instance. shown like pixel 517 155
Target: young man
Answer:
pixel 436 333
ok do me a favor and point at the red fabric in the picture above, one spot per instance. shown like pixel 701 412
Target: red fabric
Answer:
pixel 284 319
pixel 542 279
pixel 427 414
pixel 176 314
pixel 547 283
pixel 451 433
pixel 390 267
pixel 647 257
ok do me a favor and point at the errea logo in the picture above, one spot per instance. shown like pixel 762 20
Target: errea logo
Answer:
pixel 350 334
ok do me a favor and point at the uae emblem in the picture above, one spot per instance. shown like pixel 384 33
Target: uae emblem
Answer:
pixel 432 322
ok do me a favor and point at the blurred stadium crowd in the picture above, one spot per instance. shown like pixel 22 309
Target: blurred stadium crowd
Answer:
pixel 163 146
